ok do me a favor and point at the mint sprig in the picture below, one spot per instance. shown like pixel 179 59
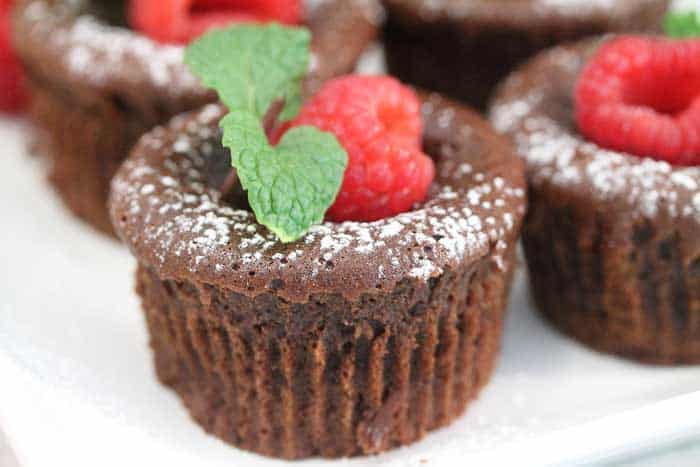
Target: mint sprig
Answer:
pixel 291 185
pixel 682 24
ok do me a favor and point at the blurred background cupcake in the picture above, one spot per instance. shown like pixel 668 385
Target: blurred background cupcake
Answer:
pixel 102 73
pixel 465 47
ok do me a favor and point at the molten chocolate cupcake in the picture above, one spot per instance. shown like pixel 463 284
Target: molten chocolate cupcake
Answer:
pixel 357 338
pixel 613 233
pixel 342 337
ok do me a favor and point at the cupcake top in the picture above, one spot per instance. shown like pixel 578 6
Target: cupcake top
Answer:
pixel 166 206
pixel 87 46
pixel 535 108
pixel 527 13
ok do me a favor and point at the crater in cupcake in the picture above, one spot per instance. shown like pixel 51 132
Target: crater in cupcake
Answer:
pixel 221 177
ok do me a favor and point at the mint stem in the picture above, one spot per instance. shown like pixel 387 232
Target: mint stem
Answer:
pixel 271 117
pixel 229 183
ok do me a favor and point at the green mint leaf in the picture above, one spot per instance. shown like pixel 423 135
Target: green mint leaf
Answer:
pixel 682 24
pixel 252 66
pixel 290 186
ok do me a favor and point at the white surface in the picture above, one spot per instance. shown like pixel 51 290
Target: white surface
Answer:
pixel 77 386
pixel 7 457
pixel 684 455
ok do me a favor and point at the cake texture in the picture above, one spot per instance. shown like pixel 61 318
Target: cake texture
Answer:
pixel 96 87
pixel 612 240
pixel 464 48
pixel 355 339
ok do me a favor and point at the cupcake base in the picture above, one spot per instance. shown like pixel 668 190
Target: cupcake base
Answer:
pixel 628 290
pixel 330 377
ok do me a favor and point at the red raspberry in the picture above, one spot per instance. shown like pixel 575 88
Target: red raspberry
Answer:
pixel 641 95
pixel 181 21
pixel 378 122
pixel 12 94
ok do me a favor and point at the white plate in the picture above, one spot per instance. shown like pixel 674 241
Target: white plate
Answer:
pixel 77 384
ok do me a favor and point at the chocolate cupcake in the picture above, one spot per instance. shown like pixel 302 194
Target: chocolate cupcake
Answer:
pixel 465 47
pixel 355 339
pixel 97 86
pixel 612 239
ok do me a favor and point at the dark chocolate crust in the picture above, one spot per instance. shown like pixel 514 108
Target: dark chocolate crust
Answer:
pixel 612 240
pixel 463 48
pixel 97 88
pixel 357 338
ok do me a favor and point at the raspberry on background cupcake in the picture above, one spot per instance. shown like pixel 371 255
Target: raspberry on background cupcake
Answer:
pixel 98 85
pixel 610 130
pixel 176 21
pixel 292 336
pixel 463 48
pixel 13 97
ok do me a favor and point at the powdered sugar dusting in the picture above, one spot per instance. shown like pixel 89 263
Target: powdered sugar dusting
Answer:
pixel 100 54
pixel 573 6
pixel 558 155
pixel 174 215
pixel 430 9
